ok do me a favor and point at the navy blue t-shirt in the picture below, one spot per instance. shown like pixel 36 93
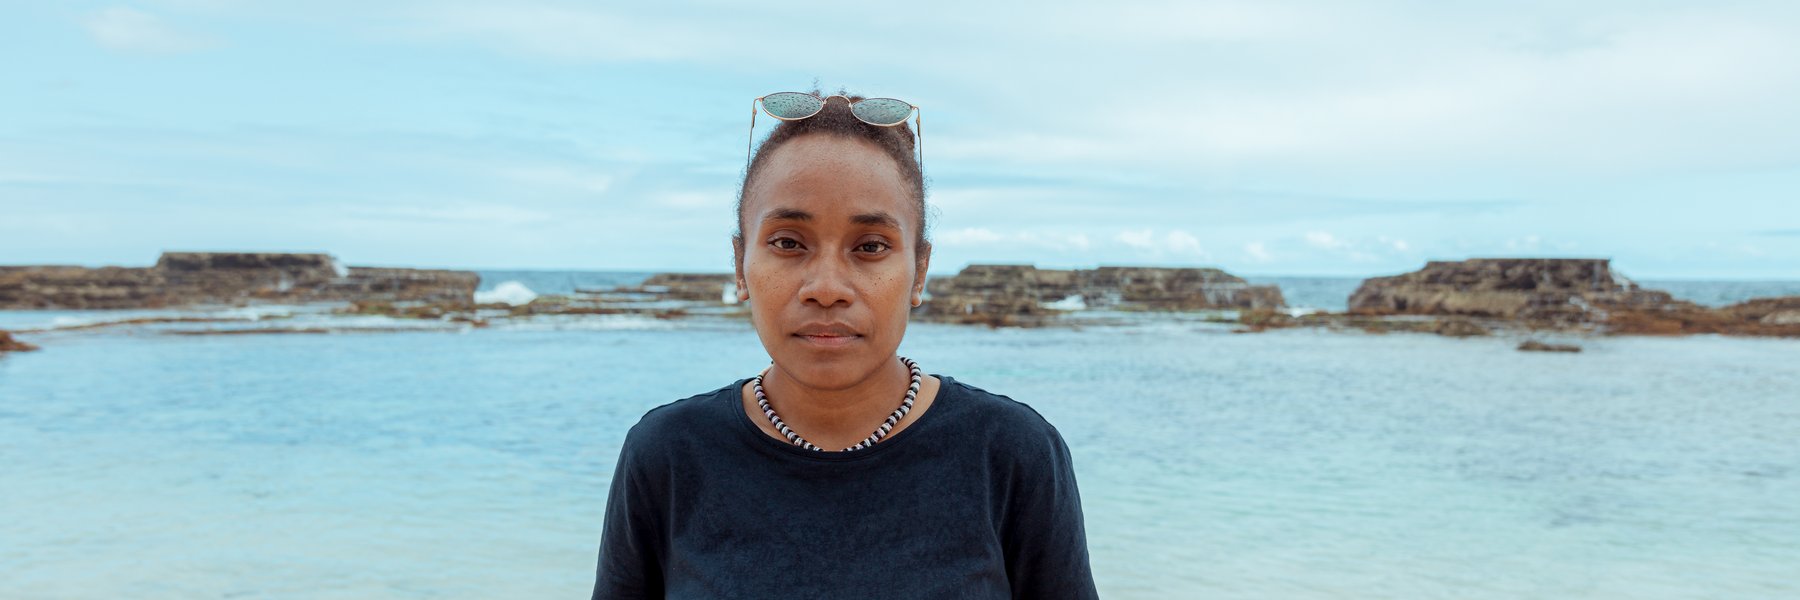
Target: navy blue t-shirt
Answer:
pixel 975 499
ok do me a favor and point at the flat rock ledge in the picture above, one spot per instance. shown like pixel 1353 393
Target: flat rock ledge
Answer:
pixel 1024 295
pixel 230 278
pixel 1560 294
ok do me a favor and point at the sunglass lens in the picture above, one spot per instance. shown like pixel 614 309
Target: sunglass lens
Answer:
pixel 792 105
pixel 882 111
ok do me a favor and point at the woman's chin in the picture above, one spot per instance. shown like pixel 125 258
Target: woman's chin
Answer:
pixel 826 369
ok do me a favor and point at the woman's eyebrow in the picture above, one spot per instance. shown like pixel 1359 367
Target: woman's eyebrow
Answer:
pixel 877 218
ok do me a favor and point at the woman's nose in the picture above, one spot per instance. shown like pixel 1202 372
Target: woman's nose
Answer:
pixel 827 283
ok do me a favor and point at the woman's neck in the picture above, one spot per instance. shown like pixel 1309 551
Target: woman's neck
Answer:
pixel 835 419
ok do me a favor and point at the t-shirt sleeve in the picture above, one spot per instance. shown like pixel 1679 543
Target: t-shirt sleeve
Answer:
pixel 629 565
pixel 1046 544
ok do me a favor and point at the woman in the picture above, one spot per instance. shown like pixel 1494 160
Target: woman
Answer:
pixel 841 470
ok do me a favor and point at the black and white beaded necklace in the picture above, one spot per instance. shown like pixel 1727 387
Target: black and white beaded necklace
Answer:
pixel 906 404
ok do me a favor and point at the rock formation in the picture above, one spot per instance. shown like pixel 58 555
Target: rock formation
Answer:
pixel 235 278
pixel 1773 317
pixel 1537 346
pixel 1027 295
pixel 8 344
pixel 1536 293
pixel 698 287
pixel 1547 291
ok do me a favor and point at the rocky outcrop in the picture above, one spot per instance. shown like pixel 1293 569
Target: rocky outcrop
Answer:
pixel 80 288
pixel 1027 295
pixel 8 344
pixel 235 278
pixel 1768 317
pixel 1546 291
pixel 1537 346
pixel 697 287
pixel 1561 293
pixel 1780 311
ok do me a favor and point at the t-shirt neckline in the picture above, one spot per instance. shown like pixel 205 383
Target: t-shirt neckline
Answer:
pixel 748 427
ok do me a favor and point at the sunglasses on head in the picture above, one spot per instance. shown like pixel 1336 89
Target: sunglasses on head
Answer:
pixel 881 112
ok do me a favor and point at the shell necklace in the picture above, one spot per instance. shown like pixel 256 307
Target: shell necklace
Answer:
pixel 906 405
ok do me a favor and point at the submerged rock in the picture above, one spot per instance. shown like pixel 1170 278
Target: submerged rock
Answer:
pixel 1537 346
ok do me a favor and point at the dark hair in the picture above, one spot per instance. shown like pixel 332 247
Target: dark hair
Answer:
pixel 835 119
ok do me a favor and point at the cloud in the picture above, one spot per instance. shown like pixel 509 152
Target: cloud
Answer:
pixel 1144 239
pixel 1176 244
pixel 560 177
pixel 1529 243
pixel 1359 249
pixel 982 236
pixel 1182 242
pixel 1325 240
pixel 129 30
pixel 1258 252
pixel 579 33
pixel 501 215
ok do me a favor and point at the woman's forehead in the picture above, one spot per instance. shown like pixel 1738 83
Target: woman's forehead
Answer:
pixel 824 180
pixel 843 215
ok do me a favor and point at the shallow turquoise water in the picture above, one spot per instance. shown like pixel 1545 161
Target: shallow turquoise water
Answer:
pixel 1290 464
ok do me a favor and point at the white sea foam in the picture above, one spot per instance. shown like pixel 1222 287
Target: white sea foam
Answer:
pixel 586 323
pixel 511 292
pixel 1073 302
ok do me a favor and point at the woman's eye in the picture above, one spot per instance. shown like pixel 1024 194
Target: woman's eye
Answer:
pixel 778 242
pixel 879 246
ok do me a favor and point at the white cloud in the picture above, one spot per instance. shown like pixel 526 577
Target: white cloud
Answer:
pixel 130 30
pixel 982 236
pixel 1258 252
pixel 1182 242
pixel 1173 244
pixel 560 177
pixel 1144 239
pixel 1325 240
pixel 580 33
pixel 1527 243
pixel 499 215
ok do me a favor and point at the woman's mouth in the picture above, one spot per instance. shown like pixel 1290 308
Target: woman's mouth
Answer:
pixel 829 341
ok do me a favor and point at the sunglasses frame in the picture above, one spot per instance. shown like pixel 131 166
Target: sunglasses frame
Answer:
pixel 917 114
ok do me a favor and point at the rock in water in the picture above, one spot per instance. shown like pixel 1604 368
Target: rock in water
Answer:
pixel 1025 294
pixel 1537 346
pixel 1539 291
pixel 8 344
pixel 236 278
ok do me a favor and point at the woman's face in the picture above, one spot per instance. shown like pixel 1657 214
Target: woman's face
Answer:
pixel 828 264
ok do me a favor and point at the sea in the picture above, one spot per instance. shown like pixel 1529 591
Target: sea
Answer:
pixel 393 459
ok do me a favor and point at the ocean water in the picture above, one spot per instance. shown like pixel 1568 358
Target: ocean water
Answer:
pixel 473 463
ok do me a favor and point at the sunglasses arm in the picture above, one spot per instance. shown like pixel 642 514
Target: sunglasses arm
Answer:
pixel 752 142
pixel 918 116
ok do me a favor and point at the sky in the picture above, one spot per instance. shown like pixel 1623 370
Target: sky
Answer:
pixel 1272 137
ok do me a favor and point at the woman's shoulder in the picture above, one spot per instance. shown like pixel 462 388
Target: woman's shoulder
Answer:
pixel 1000 414
pixel 667 420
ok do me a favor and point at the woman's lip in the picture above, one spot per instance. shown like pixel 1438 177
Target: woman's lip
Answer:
pixel 829 341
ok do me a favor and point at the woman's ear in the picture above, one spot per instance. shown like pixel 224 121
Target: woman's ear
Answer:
pixel 918 291
pixel 737 265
